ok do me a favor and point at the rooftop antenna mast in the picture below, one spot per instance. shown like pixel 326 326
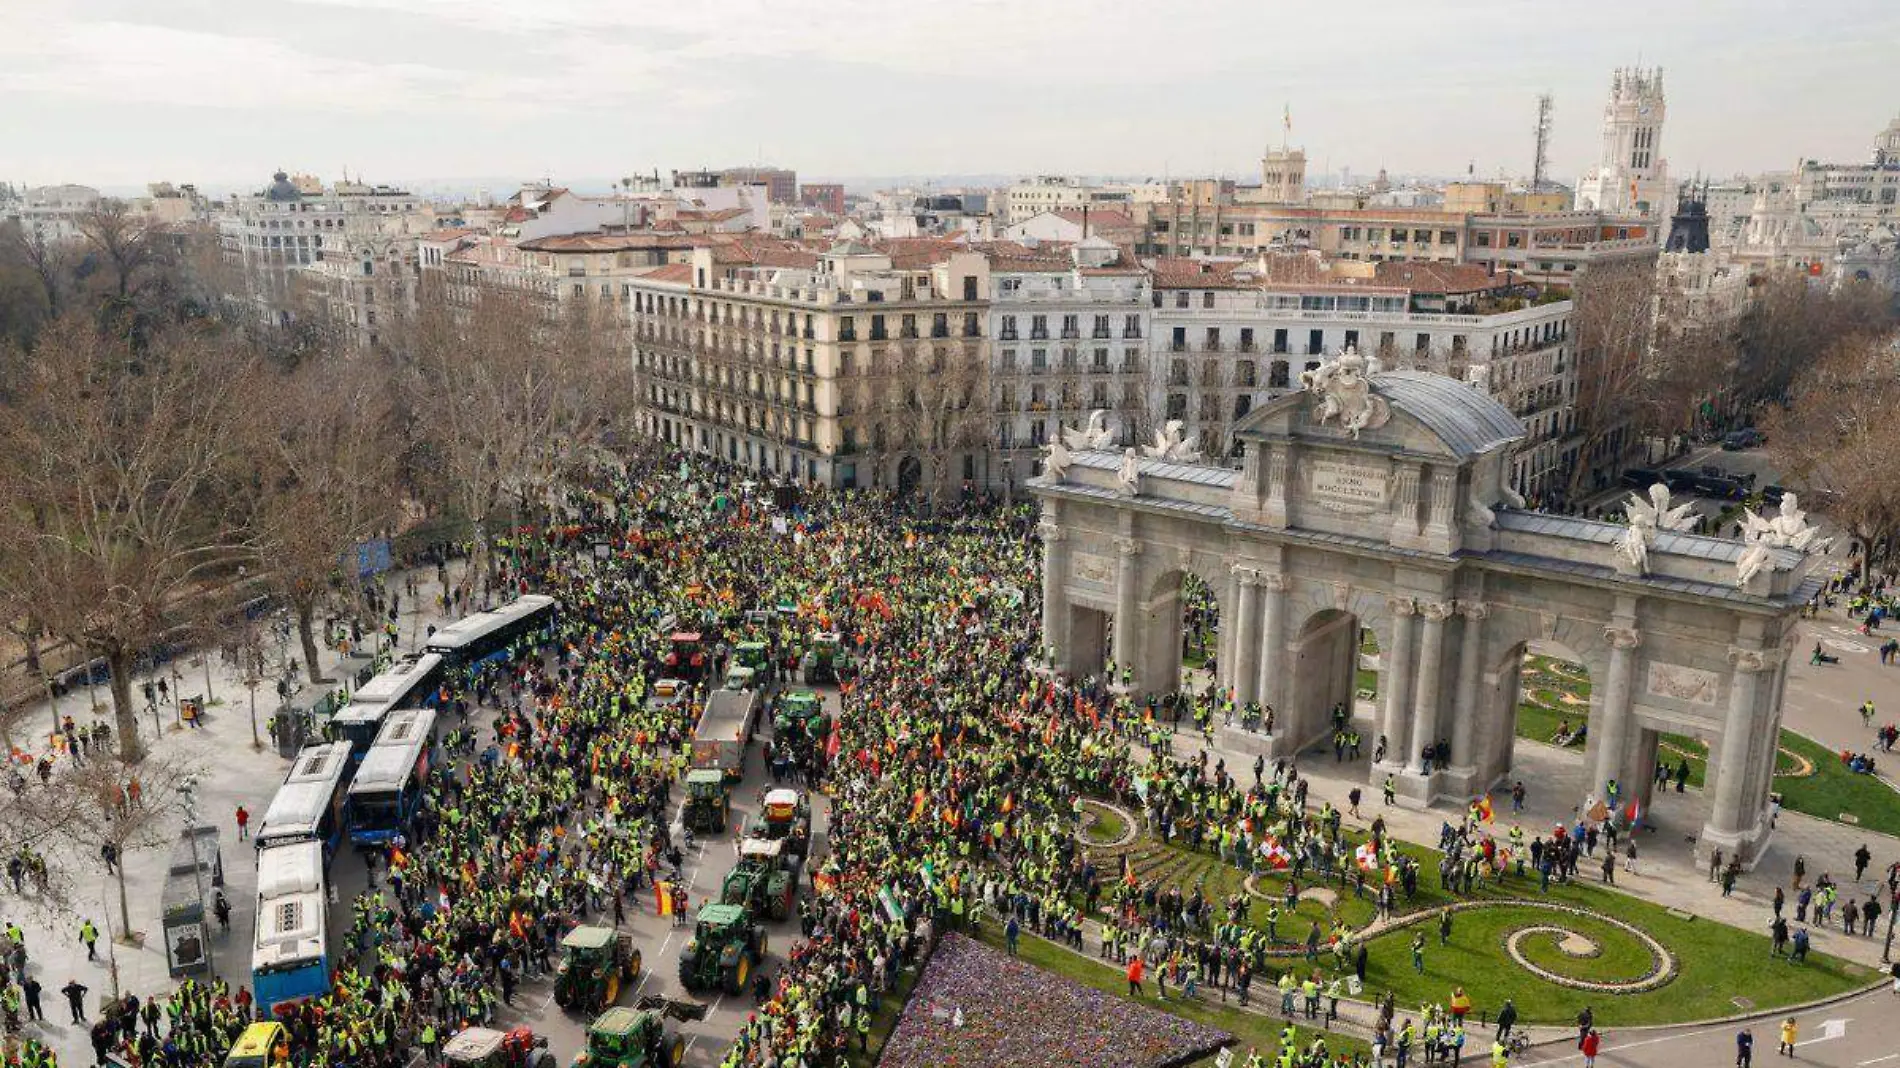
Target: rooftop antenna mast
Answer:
pixel 1540 164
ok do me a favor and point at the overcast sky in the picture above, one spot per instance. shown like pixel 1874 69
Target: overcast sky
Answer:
pixel 221 92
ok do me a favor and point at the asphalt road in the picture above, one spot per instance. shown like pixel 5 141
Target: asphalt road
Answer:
pixel 658 941
pixel 1861 1032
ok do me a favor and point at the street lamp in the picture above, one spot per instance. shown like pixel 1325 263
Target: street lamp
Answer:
pixel 188 797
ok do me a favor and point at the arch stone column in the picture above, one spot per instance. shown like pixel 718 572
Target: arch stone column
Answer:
pixel 1612 728
pixel 1431 658
pixel 1397 664
pixel 1727 816
pixel 1464 713
pixel 1127 607
pixel 1245 671
pixel 1267 689
pixel 1055 593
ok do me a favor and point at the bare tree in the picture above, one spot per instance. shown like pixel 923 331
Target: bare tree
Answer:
pixel 117 495
pixel 126 242
pixel 1614 313
pixel 1837 434
pixel 329 458
pixel 124 807
pixel 1789 320
pixel 502 400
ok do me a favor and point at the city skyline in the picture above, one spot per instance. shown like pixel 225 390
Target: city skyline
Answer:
pixel 112 93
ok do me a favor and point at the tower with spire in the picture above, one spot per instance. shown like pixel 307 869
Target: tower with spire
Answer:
pixel 1283 169
pixel 1631 177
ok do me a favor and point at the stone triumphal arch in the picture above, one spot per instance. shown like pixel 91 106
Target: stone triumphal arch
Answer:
pixel 1382 502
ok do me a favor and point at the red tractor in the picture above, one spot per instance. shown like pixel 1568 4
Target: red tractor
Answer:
pixel 687 658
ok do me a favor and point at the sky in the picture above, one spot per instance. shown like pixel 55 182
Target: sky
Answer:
pixel 222 93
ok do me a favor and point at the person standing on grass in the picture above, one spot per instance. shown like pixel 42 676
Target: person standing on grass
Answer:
pixel 1135 968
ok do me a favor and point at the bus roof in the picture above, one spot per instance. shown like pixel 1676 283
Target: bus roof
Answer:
pixel 290 905
pixel 395 686
pixel 480 624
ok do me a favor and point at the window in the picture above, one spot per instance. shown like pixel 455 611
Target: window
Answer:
pixel 1181 299
pixel 1101 359
pixel 1038 359
pixel 1131 326
pixel 1207 299
pixel 940 324
pixel 1279 340
pixel 1212 342
pixel 1101 326
pixel 877 328
pixel 1039 328
pixel 907 327
pixel 847 328
pixel 970 327
pixel 1244 371
pixel 1447 237
pixel 1179 341
pixel 1422 344
pixel 1277 375
pixel 1246 339
pixel 1315 342
pixel 1352 339
pixel 969 287
pixel 1007 331
pixel 1375 233
pixel 1070 326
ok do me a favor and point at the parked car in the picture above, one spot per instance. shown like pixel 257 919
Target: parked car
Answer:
pixel 1641 478
pixel 1680 479
pixel 1725 487
pixel 1746 438
pixel 1771 495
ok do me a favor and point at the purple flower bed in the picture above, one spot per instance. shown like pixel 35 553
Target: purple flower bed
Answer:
pixel 1017 1014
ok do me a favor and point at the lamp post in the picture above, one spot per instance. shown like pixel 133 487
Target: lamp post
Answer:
pixel 188 798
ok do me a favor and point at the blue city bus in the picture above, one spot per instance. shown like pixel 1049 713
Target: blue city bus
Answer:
pixel 411 682
pixel 311 803
pixel 290 958
pixel 390 781
pixel 489 635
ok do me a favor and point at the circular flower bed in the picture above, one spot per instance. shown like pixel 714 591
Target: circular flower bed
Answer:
pixel 1549 950
pixel 1106 826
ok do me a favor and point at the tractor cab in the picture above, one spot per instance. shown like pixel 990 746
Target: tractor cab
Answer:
pixel 686 654
pixel 595 963
pixel 631 1038
pixel 740 677
pixel 785 818
pixel 751 654
pixel 726 947
pixel 825 659
pixel 762 881
pixel 708 801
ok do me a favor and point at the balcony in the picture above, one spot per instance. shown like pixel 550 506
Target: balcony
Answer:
pixel 847 335
pixel 1039 335
pixel 1008 335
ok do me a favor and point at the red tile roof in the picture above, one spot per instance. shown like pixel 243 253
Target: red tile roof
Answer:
pixel 1434 277
pixel 1172 273
pixel 672 272
pixel 1100 219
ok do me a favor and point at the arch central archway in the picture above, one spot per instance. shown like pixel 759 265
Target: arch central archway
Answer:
pixel 1325 657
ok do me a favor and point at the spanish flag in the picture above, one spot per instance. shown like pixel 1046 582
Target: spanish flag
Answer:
pixel 663 897
pixel 1009 804
pixel 1484 809
pixel 917 805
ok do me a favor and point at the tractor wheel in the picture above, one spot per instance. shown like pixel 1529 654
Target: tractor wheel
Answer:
pixel 543 1059
pixel 631 970
pixel 610 989
pixel 741 972
pixel 676 1051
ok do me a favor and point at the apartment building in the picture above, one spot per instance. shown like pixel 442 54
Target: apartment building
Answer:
pixel 1069 335
pixel 1228 336
pixel 827 197
pixel 1056 192
pixel 846 366
pixel 354 243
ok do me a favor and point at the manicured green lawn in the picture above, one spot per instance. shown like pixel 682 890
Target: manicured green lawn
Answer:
pixel 1108 826
pixel 1712 959
pixel 1366 680
pixel 1248 1029
pixel 1710 954
pixel 1619 958
pixel 1833 791
pixel 1540 724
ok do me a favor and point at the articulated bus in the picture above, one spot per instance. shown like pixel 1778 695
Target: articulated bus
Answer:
pixel 310 804
pixel 390 780
pixel 411 682
pixel 488 635
pixel 290 959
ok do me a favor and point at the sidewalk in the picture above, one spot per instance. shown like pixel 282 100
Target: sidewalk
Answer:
pixel 233 773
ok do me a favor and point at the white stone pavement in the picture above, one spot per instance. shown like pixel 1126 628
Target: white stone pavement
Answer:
pixel 234 773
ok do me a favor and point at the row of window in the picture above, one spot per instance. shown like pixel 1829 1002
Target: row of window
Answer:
pixel 1009 330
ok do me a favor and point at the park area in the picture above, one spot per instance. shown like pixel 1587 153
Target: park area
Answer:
pixel 1550 950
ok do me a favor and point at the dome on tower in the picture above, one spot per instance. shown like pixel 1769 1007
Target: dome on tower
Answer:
pixel 281 189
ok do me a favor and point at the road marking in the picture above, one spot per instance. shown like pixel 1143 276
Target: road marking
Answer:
pixel 1877 1060
pixel 1830 1030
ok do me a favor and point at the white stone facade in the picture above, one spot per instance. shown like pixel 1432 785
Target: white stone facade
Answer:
pixel 1403 525
pixel 1631 177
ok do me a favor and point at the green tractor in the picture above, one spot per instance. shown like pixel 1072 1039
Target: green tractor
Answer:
pixel 765 881
pixel 726 948
pixel 826 660
pixel 595 962
pixel 708 801
pixel 801 721
pixel 637 1037
pixel 751 654
pixel 785 817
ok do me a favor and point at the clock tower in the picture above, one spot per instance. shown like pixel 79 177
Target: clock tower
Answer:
pixel 1631 177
